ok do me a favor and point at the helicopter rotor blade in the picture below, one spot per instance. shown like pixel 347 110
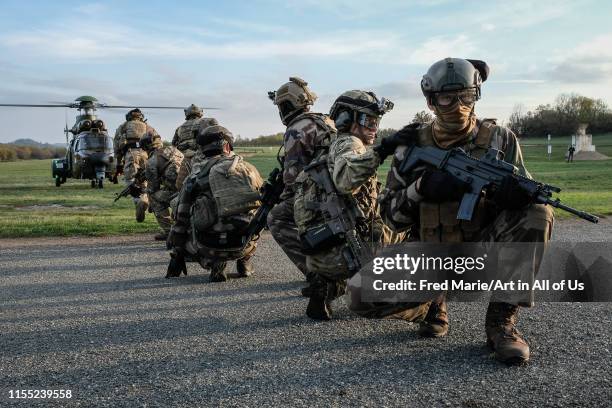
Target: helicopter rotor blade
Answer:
pixel 147 107
pixel 36 106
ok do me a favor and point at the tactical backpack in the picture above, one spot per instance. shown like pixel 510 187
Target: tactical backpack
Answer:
pixel 134 130
pixel 231 187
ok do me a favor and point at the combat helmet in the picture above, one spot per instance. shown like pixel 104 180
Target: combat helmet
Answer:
pixel 358 107
pixel 454 74
pixel 151 142
pixel 212 139
pixel 193 111
pixel 134 114
pixel 292 98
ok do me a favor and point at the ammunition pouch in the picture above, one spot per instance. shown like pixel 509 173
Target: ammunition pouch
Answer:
pixel 319 238
pixel 439 223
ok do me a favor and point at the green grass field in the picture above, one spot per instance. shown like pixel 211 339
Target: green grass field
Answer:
pixel 31 205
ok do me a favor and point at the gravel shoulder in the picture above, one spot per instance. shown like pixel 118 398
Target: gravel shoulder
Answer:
pixel 96 316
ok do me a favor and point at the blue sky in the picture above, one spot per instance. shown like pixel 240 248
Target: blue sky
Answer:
pixel 229 55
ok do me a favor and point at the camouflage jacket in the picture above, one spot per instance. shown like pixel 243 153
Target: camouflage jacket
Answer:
pixel 399 200
pixel 162 169
pixel 352 167
pixel 185 135
pixel 305 136
pixel 119 141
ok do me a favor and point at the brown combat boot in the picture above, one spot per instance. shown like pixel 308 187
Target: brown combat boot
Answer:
pixel 435 323
pixel 141 210
pixel 217 272
pixel 244 266
pixel 502 336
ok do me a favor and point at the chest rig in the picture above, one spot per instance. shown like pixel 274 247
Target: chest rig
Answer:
pixel 438 221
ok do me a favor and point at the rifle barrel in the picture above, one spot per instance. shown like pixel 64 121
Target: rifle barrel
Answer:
pixel 582 214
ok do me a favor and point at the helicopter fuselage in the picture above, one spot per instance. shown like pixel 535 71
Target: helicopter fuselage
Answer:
pixel 90 156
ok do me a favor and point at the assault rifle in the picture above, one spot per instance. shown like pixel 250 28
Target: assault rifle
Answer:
pixel 270 196
pixel 486 173
pixel 340 221
pixel 133 188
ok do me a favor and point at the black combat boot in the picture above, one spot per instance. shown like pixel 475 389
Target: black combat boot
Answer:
pixel 307 291
pixel 318 305
pixel 217 272
pixel 435 323
pixel 502 336
pixel 244 266
pixel 324 292
pixel 162 236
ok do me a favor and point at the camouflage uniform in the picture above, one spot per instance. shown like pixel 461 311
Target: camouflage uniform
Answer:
pixel 184 140
pixel 213 252
pixel 352 167
pixel 404 210
pixel 134 158
pixel 161 173
pixel 307 136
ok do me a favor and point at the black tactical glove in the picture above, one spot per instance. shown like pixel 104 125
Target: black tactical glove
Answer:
pixel 438 186
pixel 177 264
pixel 510 195
pixel 404 136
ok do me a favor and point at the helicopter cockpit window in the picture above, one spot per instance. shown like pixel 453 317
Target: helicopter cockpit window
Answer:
pixel 89 111
pixel 96 142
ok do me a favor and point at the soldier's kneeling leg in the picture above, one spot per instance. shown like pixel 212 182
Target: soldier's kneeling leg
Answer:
pixel 217 271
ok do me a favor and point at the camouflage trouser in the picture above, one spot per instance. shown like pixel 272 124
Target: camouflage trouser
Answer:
pixel 533 224
pixel 330 264
pixel 159 203
pixel 185 168
pixel 285 233
pixel 213 258
pixel 134 160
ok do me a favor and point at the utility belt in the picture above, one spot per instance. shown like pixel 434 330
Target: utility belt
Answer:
pixel 130 145
pixel 232 238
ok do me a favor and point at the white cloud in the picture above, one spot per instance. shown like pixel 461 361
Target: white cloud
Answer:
pixel 82 42
pixel 588 62
pixel 437 48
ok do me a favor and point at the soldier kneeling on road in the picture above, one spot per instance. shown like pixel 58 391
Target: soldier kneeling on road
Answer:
pixel 161 172
pixel 215 208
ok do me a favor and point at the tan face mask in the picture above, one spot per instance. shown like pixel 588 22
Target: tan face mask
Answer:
pixel 453 124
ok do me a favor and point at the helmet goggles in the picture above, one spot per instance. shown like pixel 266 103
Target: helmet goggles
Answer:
pixel 368 121
pixel 448 98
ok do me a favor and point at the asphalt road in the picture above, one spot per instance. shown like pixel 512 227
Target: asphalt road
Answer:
pixel 96 316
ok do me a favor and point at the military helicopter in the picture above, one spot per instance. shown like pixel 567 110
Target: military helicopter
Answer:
pixel 89 152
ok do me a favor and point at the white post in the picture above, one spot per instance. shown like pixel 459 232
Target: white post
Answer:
pixel 549 148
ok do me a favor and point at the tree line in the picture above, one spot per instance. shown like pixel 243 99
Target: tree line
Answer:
pixel 11 152
pixel 277 138
pixel 562 117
